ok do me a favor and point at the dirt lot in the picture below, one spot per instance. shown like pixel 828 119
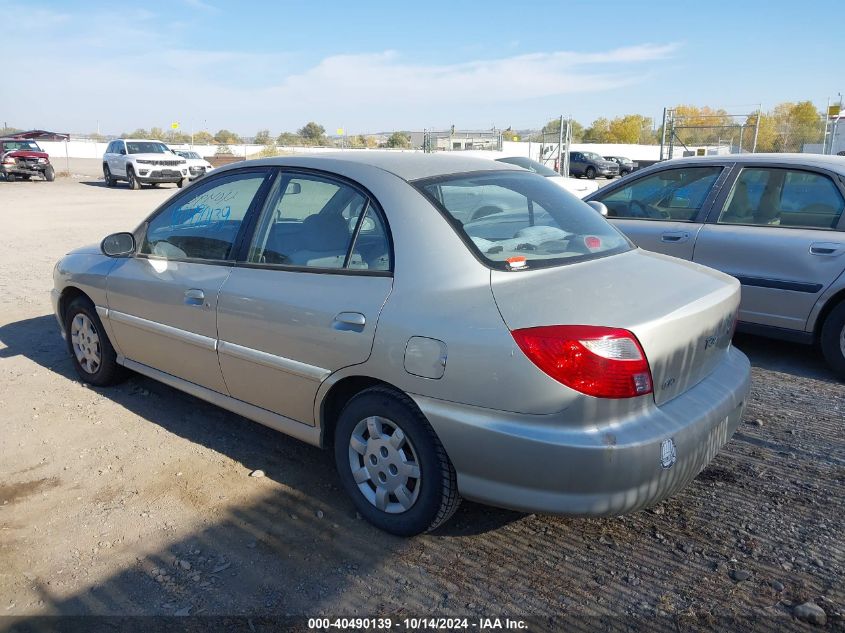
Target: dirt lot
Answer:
pixel 138 499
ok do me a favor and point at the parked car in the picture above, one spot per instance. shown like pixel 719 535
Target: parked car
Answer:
pixel 773 221
pixel 626 165
pixel 572 185
pixel 511 359
pixel 142 162
pixel 197 165
pixel 23 158
pixel 590 164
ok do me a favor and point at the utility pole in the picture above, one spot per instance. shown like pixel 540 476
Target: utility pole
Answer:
pixel 663 135
pixel 560 147
pixel 757 128
pixel 826 126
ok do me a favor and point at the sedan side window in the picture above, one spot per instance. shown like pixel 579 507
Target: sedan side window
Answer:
pixel 312 221
pixel 203 223
pixel 671 194
pixel 783 197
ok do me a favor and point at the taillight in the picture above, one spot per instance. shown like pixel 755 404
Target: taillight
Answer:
pixel 602 362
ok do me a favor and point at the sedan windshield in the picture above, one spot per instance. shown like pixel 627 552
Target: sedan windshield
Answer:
pixel 146 147
pixel 517 219
pixel 188 154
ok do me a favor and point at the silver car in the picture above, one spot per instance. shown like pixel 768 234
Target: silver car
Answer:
pixel 773 221
pixel 451 327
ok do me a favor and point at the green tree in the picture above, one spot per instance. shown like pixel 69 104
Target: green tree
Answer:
pixel 399 139
pixel 8 130
pixel 158 134
pixel 289 138
pixel 225 137
pixel 262 137
pixel 313 133
pixel 203 138
pixel 598 132
pixel 509 135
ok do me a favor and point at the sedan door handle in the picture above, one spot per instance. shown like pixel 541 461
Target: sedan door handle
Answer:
pixel 349 322
pixel 194 297
pixel 674 237
pixel 830 249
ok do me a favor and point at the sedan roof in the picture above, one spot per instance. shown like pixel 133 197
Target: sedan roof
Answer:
pixel 835 163
pixel 406 165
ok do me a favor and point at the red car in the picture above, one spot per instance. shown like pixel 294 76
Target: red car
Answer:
pixel 22 158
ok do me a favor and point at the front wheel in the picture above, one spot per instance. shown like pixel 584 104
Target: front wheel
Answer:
pixel 180 183
pixel 11 177
pixel 590 173
pixel 110 180
pixel 392 464
pixel 94 357
pixel 832 340
pixel 133 179
pixel 49 174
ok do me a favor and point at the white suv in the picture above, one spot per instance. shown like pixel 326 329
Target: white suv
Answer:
pixel 140 162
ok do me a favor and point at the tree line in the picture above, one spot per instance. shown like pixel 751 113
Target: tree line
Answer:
pixel 785 128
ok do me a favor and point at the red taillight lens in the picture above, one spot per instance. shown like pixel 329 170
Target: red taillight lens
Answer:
pixel 599 361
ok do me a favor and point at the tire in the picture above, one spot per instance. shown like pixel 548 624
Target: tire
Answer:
pixel 110 181
pixel 11 177
pixel 131 178
pixel 92 353
pixel 832 340
pixel 49 174
pixel 429 492
pixel 590 173
pixel 180 183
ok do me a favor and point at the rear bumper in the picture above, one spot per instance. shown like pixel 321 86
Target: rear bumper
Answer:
pixel 540 464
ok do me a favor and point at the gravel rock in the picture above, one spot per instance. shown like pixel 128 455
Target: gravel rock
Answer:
pixel 741 575
pixel 776 585
pixel 185 565
pixel 810 612
pixel 257 473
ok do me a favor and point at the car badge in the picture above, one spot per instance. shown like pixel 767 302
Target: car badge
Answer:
pixel 668 454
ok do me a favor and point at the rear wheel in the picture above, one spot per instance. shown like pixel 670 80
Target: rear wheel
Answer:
pixel 590 173
pixel 133 180
pixel 94 357
pixel 10 178
pixel 49 174
pixel 180 183
pixel 392 464
pixel 833 340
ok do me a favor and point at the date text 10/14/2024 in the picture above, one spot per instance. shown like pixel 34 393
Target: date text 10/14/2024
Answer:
pixel 417 624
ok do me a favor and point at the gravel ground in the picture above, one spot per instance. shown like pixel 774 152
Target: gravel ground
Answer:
pixel 138 499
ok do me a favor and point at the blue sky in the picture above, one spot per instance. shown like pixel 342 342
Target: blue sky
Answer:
pixel 380 66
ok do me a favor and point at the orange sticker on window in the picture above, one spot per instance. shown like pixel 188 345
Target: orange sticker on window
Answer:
pixel 516 262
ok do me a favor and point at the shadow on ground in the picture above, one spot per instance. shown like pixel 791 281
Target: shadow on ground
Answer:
pixel 300 549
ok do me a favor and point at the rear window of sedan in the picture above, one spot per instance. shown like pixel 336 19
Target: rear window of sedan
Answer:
pixel 515 220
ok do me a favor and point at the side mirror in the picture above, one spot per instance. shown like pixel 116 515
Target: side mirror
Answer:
pixel 598 206
pixel 118 245
pixel 293 188
pixel 122 152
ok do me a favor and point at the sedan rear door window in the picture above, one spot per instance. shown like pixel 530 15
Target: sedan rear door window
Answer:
pixel 768 196
pixel 316 222
pixel 670 194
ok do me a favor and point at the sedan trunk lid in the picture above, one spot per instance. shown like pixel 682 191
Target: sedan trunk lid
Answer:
pixel 682 313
